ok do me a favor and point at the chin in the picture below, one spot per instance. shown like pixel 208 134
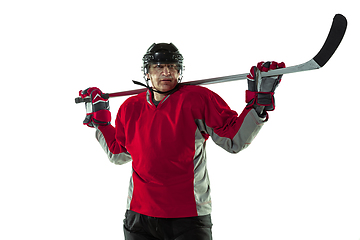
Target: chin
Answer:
pixel 167 88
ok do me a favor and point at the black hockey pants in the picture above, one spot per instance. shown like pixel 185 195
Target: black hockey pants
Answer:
pixel 142 227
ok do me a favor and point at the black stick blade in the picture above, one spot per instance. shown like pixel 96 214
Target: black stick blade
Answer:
pixel 333 40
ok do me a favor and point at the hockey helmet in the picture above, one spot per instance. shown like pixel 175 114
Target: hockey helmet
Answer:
pixel 160 53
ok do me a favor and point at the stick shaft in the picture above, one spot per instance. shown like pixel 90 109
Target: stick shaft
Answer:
pixel 298 68
pixel 310 65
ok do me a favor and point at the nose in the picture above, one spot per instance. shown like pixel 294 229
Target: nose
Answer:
pixel 166 71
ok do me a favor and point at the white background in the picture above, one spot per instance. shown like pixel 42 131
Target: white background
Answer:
pixel 299 179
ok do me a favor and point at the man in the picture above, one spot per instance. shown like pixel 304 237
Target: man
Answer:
pixel 163 131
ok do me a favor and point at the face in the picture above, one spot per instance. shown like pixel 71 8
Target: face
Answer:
pixel 163 77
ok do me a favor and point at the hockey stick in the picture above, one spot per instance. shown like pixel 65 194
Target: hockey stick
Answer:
pixel 332 42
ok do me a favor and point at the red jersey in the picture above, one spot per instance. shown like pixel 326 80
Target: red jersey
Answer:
pixel 166 145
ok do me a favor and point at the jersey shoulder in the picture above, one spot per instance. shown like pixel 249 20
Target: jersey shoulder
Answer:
pixel 194 89
pixel 198 91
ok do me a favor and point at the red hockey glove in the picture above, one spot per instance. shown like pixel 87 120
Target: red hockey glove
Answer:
pixel 97 111
pixel 260 93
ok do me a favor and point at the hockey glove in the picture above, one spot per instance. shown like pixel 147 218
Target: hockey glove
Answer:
pixel 97 111
pixel 260 93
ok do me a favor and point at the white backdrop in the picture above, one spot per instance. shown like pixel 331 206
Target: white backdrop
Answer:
pixel 298 180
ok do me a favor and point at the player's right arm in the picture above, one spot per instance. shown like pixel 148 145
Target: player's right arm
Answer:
pixel 98 116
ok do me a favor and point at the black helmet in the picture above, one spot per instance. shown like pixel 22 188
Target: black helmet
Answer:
pixel 159 53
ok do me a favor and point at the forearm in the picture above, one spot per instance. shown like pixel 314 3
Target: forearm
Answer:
pixel 250 127
pixel 237 134
pixel 106 136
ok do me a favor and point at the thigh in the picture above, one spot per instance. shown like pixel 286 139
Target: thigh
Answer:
pixel 196 234
pixel 137 235
pixel 134 228
pixel 194 228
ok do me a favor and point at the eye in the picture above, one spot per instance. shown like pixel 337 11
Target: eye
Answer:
pixel 173 67
pixel 169 66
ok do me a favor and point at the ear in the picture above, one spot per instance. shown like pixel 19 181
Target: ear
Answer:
pixel 148 76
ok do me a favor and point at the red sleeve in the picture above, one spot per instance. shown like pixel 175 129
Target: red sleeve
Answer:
pixel 112 141
pixel 229 130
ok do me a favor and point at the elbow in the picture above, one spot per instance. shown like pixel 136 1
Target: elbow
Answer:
pixel 231 145
pixel 238 148
pixel 119 159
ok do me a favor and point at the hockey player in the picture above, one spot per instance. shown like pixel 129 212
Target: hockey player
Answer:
pixel 163 132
